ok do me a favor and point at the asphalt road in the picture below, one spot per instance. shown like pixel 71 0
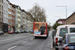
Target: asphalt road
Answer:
pixel 25 41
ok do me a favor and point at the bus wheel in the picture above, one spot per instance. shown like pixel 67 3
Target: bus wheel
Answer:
pixel 46 37
pixel 35 37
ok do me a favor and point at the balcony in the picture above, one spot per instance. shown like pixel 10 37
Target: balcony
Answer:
pixel 19 20
pixel 19 15
pixel 19 25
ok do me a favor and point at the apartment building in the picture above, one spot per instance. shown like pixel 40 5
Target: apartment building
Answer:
pixel 29 20
pixel 18 18
pixel 23 19
pixel 9 17
pixel 27 27
pixel 1 15
pixel 13 16
pixel 5 15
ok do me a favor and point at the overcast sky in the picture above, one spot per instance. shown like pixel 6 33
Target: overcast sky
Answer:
pixel 53 13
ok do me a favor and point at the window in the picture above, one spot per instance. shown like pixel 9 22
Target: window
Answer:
pixel 71 38
pixel 10 23
pixel 2 14
pixel 72 30
pixel 63 31
pixel 0 6
pixel 9 28
pixel 0 0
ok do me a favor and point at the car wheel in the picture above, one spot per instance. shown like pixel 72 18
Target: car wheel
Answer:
pixel 35 37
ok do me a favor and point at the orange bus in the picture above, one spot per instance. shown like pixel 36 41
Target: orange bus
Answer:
pixel 40 29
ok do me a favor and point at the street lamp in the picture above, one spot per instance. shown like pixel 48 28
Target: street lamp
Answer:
pixel 66 10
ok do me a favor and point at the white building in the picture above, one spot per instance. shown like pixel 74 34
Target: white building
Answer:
pixel 5 15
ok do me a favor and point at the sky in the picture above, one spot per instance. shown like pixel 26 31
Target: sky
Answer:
pixel 53 13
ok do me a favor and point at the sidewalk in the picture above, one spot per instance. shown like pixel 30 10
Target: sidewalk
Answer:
pixel 6 34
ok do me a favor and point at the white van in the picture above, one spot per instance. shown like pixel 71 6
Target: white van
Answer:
pixel 61 30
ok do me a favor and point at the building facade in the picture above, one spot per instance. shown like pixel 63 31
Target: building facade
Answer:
pixel 9 17
pixel 23 20
pixel 13 16
pixel 29 22
pixel 1 15
pixel 71 19
pixel 61 21
pixel 5 15
pixel 18 19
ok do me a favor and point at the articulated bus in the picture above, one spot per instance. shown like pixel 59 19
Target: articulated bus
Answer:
pixel 40 29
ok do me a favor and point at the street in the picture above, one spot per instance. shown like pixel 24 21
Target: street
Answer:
pixel 25 41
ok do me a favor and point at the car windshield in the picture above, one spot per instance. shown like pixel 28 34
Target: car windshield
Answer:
pixel 72 30
pixel 63 31
pixel 72 39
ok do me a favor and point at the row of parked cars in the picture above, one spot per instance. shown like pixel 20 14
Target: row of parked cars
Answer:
pixel 64 37
pixel 11 32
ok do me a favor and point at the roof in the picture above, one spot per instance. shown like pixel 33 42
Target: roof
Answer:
pixel 61 20
pixel 71 15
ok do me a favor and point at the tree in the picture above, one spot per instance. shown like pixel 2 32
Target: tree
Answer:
pixel 56 25
pixel 38 13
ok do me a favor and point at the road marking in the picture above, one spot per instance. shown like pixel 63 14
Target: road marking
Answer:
pixel 13 38
pixel 25 42
pixel 11 47
pixel 31 39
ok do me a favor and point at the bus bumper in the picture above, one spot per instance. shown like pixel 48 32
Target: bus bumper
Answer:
pixel 40 35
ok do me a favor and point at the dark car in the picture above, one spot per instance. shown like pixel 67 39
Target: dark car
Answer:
pixel 68 43
pixel 1 33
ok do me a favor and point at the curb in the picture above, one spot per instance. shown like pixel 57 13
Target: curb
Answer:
pixel 6 34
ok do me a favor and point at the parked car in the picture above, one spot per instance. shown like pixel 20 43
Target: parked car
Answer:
pixel 68 43
pixel 61 30
pixel 11 32
pixel 1 33
pixel 16 32
pixel 22 31
pixel 27 31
